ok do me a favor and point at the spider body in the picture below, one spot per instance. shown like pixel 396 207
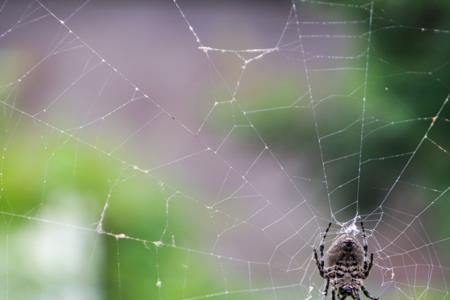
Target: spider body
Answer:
pixel 347 266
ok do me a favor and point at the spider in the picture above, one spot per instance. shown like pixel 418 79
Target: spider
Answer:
pixel 347 266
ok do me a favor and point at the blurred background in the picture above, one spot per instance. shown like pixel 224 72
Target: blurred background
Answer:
pixel 197 150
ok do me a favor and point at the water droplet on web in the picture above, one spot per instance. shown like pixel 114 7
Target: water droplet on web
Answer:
pixel 158 243
pixel 120 236
pixel 158 283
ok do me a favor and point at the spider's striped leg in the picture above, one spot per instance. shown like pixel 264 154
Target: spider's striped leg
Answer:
pixel 319 265
pixel 333 295
pixel 369 267
pixel 366 292
pixel 367 264
pixel 321 246
pixel 319 259
pixel 366 247
pixel 325 292
pixel 356 297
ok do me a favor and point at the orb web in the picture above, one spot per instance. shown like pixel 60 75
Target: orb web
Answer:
pixel 209 147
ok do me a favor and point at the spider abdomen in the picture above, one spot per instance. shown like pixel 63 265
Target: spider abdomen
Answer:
pixel 346 250
pixel 348 264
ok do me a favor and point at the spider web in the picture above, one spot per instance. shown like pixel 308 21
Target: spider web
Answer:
pixel 228 137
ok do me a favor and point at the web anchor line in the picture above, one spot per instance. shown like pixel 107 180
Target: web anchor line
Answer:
pixel 363 112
